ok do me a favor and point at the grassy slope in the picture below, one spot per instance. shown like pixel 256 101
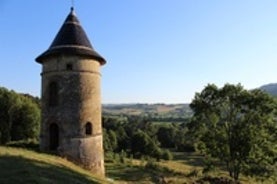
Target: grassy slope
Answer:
pixel 23 166
pixel 185 168
pixel 178 171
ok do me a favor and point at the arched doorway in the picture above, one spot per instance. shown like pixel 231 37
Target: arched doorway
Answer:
pixel 53 136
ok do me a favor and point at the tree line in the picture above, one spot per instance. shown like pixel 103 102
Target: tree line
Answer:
pixel 19 116
pixel 139 137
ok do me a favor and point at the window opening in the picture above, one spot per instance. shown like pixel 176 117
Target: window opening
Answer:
pixel 69 66
pixel 88 128
pixel 53 94
pixel 54 137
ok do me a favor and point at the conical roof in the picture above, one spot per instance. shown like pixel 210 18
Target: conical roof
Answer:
pixel 72 40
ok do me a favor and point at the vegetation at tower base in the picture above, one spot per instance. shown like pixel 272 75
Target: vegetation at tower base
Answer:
pixel 19 116
pixel 238 127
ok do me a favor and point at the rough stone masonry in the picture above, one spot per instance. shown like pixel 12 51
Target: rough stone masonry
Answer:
pixel 71 98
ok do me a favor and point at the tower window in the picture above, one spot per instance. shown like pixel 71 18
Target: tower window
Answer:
pixel 69 66
pixel 53 94
pixel 88 128
pixel 53 136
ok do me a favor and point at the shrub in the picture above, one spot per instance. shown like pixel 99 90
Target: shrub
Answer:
pixel 167 155
pixel 122 157
pixel 193 173
pixel 150 164
pixel 109 156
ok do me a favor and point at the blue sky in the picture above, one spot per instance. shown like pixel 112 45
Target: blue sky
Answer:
pixel 156 50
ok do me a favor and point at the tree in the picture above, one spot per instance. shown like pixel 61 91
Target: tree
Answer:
pixel 24 119
pixel 142 144
pixel 166 136
pixel 6 100
pixel 109 140
pixel 106 142
pixel 113 139
pixel 236 126
pixel 19 116
pixel 122 139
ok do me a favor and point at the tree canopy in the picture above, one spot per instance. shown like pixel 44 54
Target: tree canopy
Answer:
pixel 19 116
pixel 238 127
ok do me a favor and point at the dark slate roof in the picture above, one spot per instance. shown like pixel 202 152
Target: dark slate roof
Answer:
pixel 72 40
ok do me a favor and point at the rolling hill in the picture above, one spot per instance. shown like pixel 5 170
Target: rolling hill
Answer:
pixel 270 88
pixel 149 110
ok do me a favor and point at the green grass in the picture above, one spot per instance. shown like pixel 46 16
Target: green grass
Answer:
pixel 19 166
pixel 23 166
pixel 122 173
pixel 185 168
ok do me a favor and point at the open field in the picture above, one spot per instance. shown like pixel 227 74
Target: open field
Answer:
pixel 186 168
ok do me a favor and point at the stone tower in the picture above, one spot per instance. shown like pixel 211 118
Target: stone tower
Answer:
pixel 71 99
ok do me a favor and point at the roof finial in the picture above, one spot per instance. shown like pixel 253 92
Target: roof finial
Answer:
pixel 72 5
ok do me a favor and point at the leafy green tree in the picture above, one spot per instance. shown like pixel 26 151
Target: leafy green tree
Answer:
pixel 123 139
pixel 19 116
pixel 166 136
pixel 106 142
pixel 113 139
pixel 24 119
pixel 167 155
pixel 142 144
pixel 109 140
pixel 6 100
pixel 184 141
pixel 238 127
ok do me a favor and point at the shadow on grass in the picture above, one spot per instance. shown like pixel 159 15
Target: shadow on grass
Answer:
pixel 14 170
pixel 31 145
pixel 127 173
pixel 188 158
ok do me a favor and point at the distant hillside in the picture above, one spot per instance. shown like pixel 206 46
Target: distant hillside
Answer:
pixel 150 110
pixel 270 88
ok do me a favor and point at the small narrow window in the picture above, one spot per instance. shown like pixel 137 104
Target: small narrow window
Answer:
pixel 69 66
pixel 88 128
pixel 53 137
pixel 53 94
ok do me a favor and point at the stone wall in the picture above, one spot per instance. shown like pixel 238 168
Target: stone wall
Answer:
pixel 78 103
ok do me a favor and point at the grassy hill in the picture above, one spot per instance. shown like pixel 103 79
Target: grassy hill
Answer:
pixel 23 166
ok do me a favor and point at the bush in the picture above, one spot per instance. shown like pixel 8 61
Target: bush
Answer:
pixel 122 157
pixel 116 158
pixel 167 155
pixel 109 156
pixel 150 164
pixel 209 165
pixel 193 173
